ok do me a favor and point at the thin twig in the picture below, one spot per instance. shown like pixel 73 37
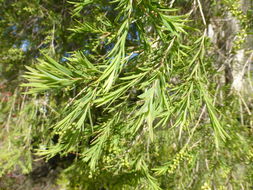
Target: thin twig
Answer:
pixel 201 12
pixel 72 99
pixel 10 113
pixel 172 3
pixel 243 101
pixel 196 125
pixel 249 69
pixel 52 41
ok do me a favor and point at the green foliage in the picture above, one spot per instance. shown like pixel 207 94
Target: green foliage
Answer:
pixel 234 7
pixel 138 105
pixel 15 146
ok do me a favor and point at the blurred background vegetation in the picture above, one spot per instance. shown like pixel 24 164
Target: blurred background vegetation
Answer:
pixel 29 30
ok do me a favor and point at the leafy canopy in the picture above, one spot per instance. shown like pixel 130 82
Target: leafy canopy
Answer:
pixel 138 105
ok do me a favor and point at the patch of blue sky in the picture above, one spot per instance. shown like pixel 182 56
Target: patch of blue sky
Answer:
pixel 86 52
pixel 65 56
pixel 11 29
pixel 106 8
pixel 36 28
pixel 109 47
pixel 137 35
pixel 133 55
pixel 25 45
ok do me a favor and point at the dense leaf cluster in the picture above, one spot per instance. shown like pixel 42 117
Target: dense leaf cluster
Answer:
pixel 141 104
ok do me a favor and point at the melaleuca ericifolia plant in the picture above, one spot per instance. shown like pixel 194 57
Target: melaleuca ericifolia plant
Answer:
pixel 138 106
